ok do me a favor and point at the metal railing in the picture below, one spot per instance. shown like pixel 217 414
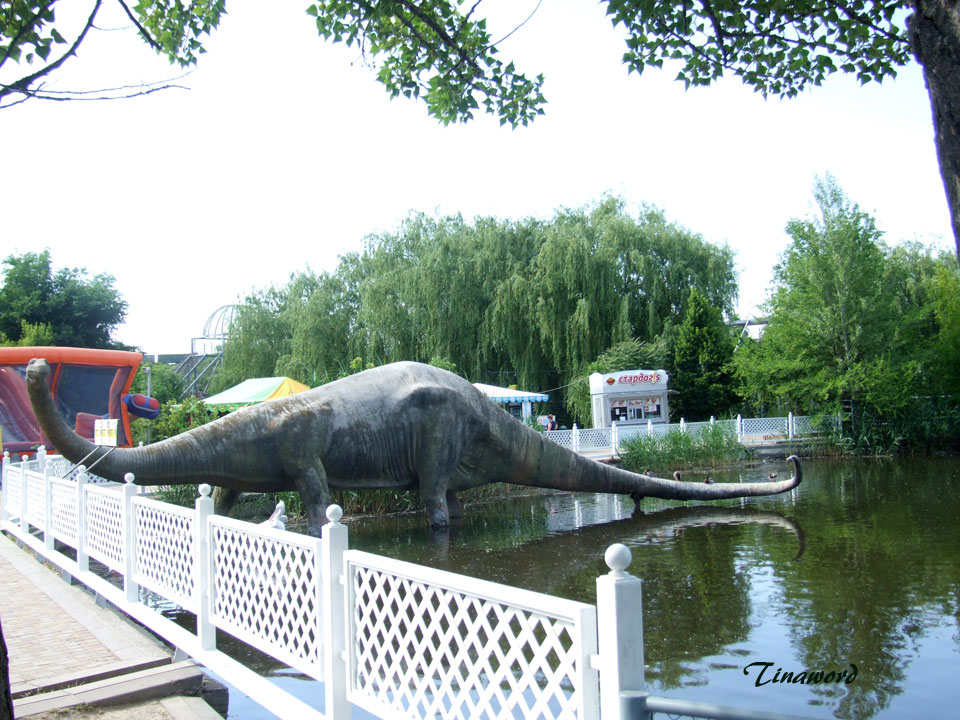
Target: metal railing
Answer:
pixel 394 638
pixel 748 431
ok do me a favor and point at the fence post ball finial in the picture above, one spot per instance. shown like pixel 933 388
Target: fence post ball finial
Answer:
pixel 204 489
pixel 617 557
pixel 128 478
pixel 334 513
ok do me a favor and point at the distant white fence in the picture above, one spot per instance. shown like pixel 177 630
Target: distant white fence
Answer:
pixel 747 430
pixel 397 639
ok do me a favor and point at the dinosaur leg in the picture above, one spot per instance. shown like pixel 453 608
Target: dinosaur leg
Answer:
pixel 224 499
pixel 436 503
pixel 454 509
pixel 313 488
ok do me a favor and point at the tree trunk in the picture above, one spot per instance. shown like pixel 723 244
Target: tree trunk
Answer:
pixel 935 39
pixel 6 702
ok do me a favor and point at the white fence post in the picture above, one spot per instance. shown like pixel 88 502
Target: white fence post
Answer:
pixel 335 616
pixel 24 525
pixel 576 438
pixel 711 420
pixel 47 505
pixel 203 565
pixel 791 432
pixel 614 437
pixel 739 428
pixel 3 487
pixel 620 631
pixel 130 588
pixel 683 425
pixel 649 427
pixel 83 560
pixel 42 458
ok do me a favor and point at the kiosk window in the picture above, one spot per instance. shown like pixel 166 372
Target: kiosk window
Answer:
pixel 651 407
pixel 618 411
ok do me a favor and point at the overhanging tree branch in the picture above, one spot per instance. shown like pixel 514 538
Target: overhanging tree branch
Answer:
pixel 23 84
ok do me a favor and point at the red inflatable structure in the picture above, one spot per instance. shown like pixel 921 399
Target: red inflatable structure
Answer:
pixel 86 385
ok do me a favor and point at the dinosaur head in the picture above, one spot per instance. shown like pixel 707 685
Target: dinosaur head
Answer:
pixel 37 370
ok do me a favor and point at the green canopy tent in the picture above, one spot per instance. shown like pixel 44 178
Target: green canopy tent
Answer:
pixel 254 390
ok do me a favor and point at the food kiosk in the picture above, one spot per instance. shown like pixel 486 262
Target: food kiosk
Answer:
pixel 629 397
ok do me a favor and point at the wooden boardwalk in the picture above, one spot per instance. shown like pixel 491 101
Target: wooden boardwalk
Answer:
pixel 65 649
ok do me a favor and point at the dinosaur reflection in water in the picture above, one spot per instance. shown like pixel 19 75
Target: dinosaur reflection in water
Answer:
pixel 547 564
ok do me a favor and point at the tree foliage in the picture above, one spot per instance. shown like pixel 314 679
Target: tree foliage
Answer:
pixel 58 308
pixel 32 39
pixel 778 47
pixel 855 325
pixel 166 383
pixel 526 303
pixel 702 376
pixel 434 51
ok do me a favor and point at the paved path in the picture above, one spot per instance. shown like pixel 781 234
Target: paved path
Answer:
pixel 57 636
pixel 55 631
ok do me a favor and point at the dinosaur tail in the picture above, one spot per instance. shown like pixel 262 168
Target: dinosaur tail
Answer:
pixel 544 463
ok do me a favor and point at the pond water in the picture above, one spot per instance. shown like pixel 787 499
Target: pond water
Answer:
pixel 857 567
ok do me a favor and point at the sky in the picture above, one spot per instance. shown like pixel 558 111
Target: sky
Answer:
pixel 285 153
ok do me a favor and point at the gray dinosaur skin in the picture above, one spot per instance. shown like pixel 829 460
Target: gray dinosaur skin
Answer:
pixel 404 425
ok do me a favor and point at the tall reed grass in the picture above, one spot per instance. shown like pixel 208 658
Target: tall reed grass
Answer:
pixel 710 446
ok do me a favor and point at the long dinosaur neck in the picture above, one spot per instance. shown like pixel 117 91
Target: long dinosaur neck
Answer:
pixel 183 459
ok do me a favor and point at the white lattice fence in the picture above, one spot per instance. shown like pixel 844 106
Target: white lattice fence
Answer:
pixel 764 427
pixel 561 437
pixel 105 526
pixel 629 432
pixel 12 490
pixel 59 467
pixel 809 425
pixel 266 591
pixel 164 551
pixel 695 429
pixel 594 438
pixel 64 515
pixel 36 499
pixel 426 643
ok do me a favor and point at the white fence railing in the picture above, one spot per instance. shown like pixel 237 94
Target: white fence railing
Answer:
pixel 747 431
pixel 397 639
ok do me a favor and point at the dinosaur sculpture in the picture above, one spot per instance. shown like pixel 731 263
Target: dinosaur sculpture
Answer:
pixel 403 425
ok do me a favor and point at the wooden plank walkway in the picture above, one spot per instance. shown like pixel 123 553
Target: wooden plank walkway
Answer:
pixel 60 641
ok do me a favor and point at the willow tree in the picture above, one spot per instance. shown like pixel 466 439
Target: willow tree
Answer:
pixel 599 278
pixel 261 331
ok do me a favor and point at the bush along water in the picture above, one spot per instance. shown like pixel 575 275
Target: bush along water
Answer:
pixel 711 446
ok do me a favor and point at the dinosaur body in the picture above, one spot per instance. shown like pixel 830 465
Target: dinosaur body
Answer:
pixel 404 425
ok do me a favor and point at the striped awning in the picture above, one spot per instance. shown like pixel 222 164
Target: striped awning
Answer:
pixel 509 395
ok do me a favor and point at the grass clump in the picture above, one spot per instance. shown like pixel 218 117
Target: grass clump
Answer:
pixel 713 445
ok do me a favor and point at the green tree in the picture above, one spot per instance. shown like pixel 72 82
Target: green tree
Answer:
pixel 829 311
pixel 859 327
pixel 76 311
pixel 31 335
pixel 165 383
pixel 523 303
pixel 702 374
pixel 440 51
